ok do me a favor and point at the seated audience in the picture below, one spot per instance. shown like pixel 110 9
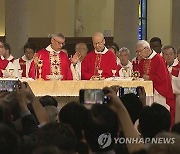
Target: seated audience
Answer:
pixel 153 120
pixel 102 125
pixel 76 116
pixel 59 135
pixel 48 100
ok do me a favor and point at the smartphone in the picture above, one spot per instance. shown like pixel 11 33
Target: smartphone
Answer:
pixel 8 85
pixel 93 96
pixel 128 90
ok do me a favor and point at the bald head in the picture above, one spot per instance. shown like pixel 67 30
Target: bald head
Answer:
pixel 98 41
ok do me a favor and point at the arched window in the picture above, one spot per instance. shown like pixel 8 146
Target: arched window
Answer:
pixel 142 27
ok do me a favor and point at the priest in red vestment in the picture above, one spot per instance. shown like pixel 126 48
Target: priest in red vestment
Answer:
pixel 153 67
pixel 54 61
pixel 3 61
pixel 101 59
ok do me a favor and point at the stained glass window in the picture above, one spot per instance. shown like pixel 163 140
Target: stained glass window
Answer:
pixel 142 27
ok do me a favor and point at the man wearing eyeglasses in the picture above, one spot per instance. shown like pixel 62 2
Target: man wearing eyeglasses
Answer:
pixel 100 59
pixel 54 61
pixel 153 67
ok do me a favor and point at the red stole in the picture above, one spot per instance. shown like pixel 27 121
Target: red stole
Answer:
pixel 175 70
pixel 22 64
pixel 97 64
pixel 135 64
pixel 3 65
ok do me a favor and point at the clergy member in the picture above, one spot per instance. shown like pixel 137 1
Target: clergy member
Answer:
pixel 54 61
pixel 4 63
pixel 25 61
pixel 100 59
pixel 153 67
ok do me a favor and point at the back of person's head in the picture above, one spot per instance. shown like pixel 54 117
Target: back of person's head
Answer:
pixel 156 44
pixel 52 112
pixel 47 150
pixel 48 100
pixel 59 135
pixel 75 115
pixel 102 127
pixel 154 119
pixel 169 144
pixel 133 105
pixel 9 140
pixel 176 128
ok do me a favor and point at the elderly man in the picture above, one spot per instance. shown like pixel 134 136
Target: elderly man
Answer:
pixel 99 60
pixel 152 67
pixel 169 54
pixel 81 52
pixel 125 65
pixel 54 61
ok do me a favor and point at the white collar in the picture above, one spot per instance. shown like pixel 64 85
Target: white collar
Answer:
pixel 173 64
pixel 2 58
pixel 128 64
pixel 10 57
pixel 104 51
pixel 152 55
pixel 25 59
pixel 50 49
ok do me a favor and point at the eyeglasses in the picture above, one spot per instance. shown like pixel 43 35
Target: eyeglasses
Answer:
pixel 60 43
pixel 98 43
pixel 138 51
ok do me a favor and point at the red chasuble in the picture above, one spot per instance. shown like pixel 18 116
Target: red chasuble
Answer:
pixel 158 73
pixel 63 64
pixel 94 62
pixel 3 65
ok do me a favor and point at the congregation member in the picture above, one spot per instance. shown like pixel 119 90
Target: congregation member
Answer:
pixel 152 67
pixel 125 66
pixel 81 52
pixel 169 54
pixel 7 55
pixel 156 45
pixel 54 61
pixel 23 64
pixel 101 59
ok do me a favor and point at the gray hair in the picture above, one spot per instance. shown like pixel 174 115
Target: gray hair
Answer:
pixel 143 43
pixel 124 49
pixel 58 34
pixel 169 47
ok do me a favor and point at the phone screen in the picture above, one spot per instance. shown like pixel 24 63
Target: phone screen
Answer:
pixel 127 90
pixel 91 96
pixel 8 85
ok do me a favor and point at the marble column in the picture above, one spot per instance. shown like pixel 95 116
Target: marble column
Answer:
pixel 16 25
pixel 175 23
pixel 126 24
